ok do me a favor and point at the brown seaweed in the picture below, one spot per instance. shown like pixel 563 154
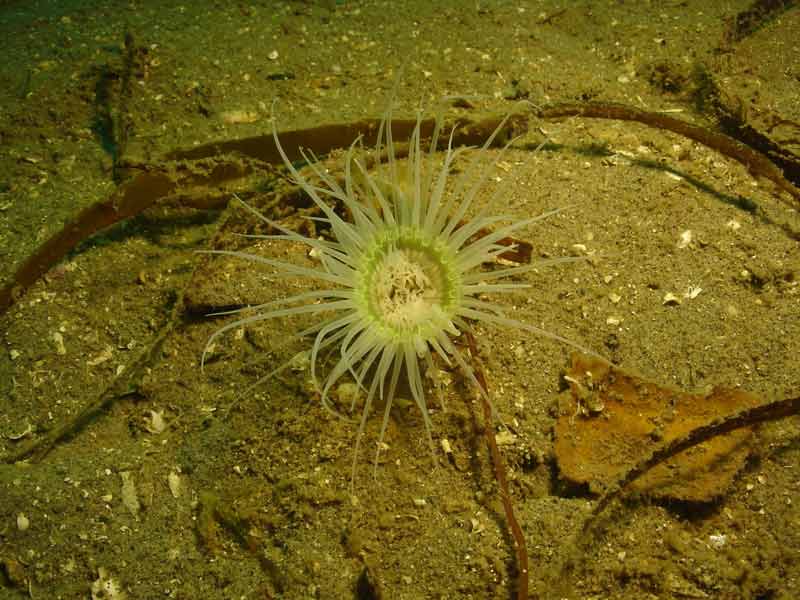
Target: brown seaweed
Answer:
pixel 520 548
pixel 756 16
pixel 757 163
pixel 193 177
pixel 191 174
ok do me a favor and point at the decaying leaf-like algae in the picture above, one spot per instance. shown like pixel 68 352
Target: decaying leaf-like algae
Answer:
pixel 612 418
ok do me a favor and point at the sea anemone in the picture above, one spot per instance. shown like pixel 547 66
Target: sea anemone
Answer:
pixel 401 266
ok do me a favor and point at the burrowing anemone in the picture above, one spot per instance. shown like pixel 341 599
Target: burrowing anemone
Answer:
pixel 401 266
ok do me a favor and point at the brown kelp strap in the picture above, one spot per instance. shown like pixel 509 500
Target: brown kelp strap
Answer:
pixel 215 163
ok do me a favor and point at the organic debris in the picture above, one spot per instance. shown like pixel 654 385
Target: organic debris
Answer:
pixel 613 418
pixel 523 579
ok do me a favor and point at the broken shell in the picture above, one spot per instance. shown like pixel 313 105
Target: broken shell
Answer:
pixel 106 588
pixel 174 482
pixel 446 446
pixel 155 422
pixel 685 239
pixel 733 225
pixel 476 526
pixel 237 117
pixel 692 292
pixel 505 438
pixel 718 540
pixel 300 361
pixel 18 436
pixel 670 299
pixel 130 498
pixel 104 355
pixel 23 522
pixel 58 342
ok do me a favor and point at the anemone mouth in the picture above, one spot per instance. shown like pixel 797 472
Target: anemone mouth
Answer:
pixel 409 286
